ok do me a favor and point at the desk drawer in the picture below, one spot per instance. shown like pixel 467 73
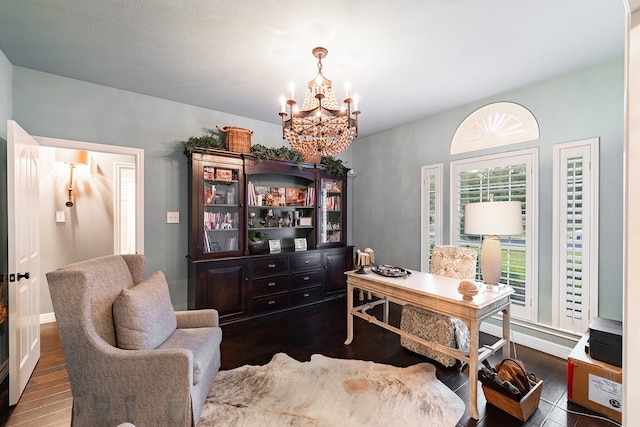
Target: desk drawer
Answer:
pixel 309 261
pixel 271 302
pixel 269 266
pixel 305 296
pixel 270 285
pixel 305 280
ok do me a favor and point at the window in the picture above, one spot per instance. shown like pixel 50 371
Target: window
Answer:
pixel 431 216
pixel 575 234
pixel 507 177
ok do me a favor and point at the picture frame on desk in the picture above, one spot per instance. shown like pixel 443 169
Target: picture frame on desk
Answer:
pixel 274 246
pixel 300 244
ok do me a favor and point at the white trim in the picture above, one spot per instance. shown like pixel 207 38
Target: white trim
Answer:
pixel 631 227
pixel 495 125
pixel 426 172
pixel 526 340
pixel 47 317
pixel 137 153
pixel 118 167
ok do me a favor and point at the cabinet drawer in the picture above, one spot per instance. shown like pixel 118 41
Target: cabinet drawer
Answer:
pixel 305 280
pixel 270 285
pixel 271 302
pixel 305 296
pixel 268 266
pixel 309 261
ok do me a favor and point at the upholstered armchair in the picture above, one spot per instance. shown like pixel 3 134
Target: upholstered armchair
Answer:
pixel 129 356
pixel 449 261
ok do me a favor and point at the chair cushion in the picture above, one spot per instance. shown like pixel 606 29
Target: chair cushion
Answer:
pixel 203 343
pixel 433 327
pixel 143 315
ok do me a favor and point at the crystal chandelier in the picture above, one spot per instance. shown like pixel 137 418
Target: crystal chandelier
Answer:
pixel 320 128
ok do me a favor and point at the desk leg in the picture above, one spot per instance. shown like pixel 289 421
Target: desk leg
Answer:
pixel 506 332
pixel 349 315
pixel 474 331
pixel 385 315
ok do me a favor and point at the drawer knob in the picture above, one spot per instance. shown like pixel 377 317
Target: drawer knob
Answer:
pixel 271 284
pixel 306 261
pixel 305 278
pixel 305 295
pixel 271 302
pixel 271 265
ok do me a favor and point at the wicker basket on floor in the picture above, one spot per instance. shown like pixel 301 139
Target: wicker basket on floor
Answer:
pixel 238 139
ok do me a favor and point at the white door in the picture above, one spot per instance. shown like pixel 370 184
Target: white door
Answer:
pixel 24 258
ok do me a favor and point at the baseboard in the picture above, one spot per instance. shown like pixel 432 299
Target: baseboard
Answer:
pixel 545 346
pixel 47 318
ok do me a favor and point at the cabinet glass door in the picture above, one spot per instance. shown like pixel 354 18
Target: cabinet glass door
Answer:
pixel 221 208
pixel 331 215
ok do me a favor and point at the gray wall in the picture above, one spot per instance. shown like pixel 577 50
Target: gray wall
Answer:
pixel 584 104
pixel 57 107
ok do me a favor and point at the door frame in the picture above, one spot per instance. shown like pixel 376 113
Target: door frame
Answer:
pixel 137 153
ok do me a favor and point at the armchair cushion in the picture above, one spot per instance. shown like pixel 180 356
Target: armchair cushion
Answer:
pixel 143 315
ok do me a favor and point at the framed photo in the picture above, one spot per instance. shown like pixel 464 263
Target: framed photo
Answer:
pixel 305 222
pixel 300 244
pixel 274 246
pixel 223 174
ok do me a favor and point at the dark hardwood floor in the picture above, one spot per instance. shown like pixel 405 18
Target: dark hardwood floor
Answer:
pixel 301 333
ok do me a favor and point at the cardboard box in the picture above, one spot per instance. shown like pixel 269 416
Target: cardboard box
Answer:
pixel 594 384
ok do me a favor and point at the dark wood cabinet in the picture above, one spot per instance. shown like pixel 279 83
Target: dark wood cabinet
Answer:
pixel 221 285
pixel 231 194
pixel 336 262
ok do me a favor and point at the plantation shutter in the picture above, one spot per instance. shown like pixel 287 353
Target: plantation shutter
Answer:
pixel 575 264
pixel 506 178
pixel 431 216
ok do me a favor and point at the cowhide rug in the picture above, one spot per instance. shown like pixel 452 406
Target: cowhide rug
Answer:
pixel 330 392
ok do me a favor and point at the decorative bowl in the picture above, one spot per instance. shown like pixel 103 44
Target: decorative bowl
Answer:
pixel 468 289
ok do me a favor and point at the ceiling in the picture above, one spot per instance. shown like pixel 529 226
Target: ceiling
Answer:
pixel 406 59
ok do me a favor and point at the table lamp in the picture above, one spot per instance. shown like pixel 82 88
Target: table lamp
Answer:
pixel 492 219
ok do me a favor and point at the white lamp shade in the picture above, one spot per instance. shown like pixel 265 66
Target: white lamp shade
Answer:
pixel 493 218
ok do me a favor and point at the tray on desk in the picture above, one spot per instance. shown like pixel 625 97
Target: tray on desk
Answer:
pixel 390 271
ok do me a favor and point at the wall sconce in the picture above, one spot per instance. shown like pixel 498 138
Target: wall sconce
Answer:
pixel 72 158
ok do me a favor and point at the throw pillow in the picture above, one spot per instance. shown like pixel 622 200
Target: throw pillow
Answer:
pixel 143 315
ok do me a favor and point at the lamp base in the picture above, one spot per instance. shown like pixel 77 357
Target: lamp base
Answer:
pixel 361 270
pixel 491 261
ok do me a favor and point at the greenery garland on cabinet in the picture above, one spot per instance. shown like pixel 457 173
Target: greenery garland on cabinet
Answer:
pixel 211 139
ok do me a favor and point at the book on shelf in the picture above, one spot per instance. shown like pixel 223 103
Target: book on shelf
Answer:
pixel 261 195
pixel 209 191
pixel 220 220
pixel 231 244
pixel 209 172
pixel 206 242
pixel 296 196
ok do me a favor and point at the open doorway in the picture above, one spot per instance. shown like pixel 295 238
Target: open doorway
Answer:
pixel 91 204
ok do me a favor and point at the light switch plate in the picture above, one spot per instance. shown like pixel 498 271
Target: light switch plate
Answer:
pixel 60 216
pixel 173 217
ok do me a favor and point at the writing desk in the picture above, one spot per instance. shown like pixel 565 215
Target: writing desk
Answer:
pixel 438 294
